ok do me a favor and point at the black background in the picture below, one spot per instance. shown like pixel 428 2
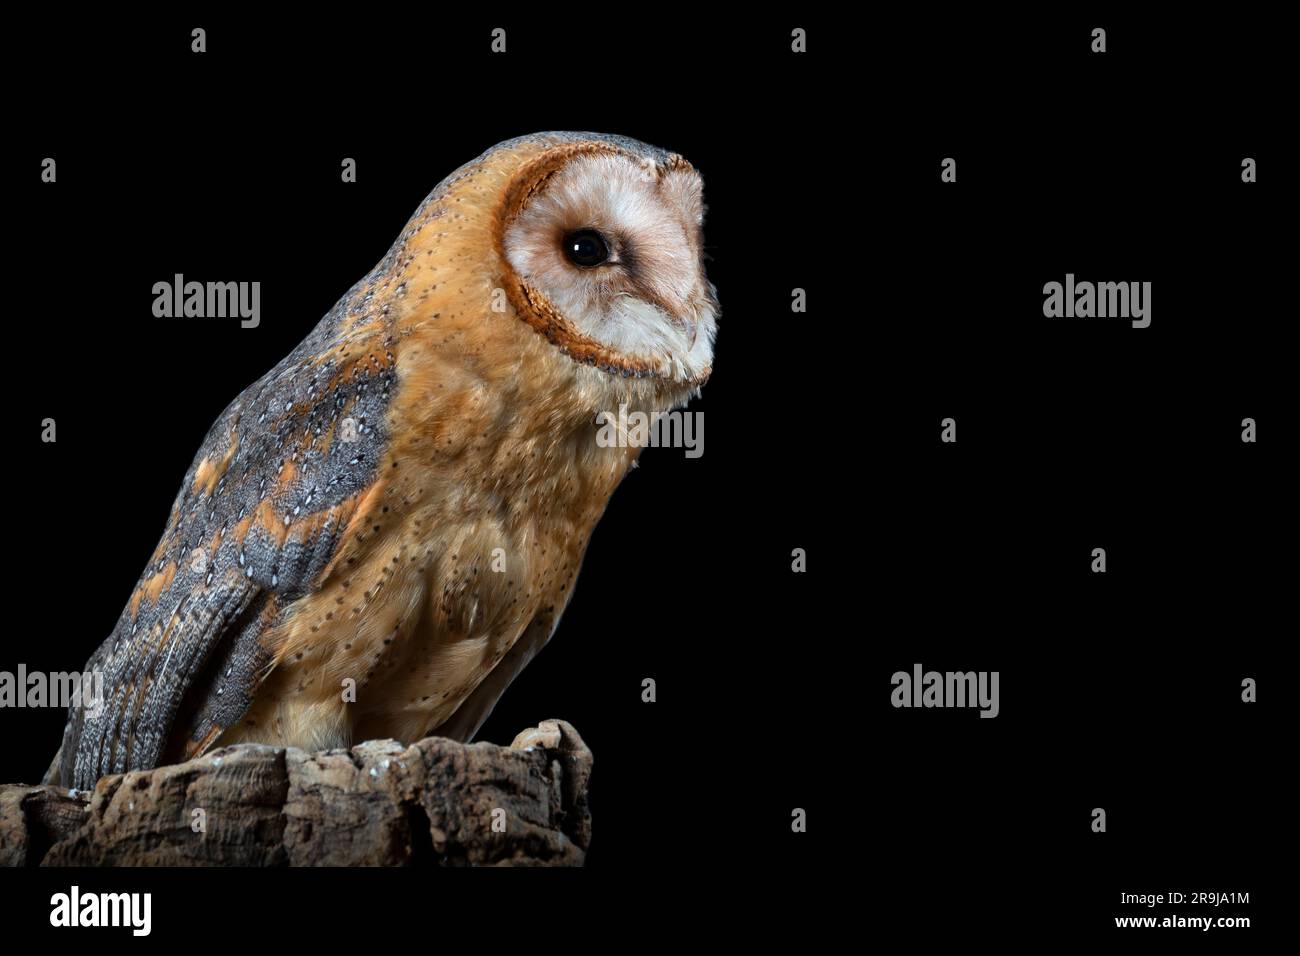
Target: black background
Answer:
pixel 1119 690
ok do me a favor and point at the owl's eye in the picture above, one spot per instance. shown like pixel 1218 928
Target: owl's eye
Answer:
pixel 586 248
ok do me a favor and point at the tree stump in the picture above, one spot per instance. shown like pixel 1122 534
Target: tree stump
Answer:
pixel 433 803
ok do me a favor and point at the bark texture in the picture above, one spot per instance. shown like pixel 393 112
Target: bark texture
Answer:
pixel 434 803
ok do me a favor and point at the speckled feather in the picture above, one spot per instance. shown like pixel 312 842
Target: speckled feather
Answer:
pixel 339 521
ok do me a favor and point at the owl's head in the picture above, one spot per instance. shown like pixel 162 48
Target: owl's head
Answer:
pixel 604 238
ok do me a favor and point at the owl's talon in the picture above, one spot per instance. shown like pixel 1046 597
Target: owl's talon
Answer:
pixel 545 735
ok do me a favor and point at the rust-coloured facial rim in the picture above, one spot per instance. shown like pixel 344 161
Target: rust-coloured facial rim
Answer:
pixel 533 306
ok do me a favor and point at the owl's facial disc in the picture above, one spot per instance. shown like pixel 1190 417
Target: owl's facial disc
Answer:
pixel 612 245
pixel 589 248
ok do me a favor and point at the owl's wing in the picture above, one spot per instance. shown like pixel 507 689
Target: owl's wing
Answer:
pixel 263 510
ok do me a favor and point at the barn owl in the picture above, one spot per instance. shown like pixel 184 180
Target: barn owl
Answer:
pixel 376 537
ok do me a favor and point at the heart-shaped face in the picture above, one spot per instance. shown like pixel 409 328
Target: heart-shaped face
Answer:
pixel 607 244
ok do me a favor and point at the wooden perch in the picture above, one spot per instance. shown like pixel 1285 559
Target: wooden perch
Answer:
pixel 433 803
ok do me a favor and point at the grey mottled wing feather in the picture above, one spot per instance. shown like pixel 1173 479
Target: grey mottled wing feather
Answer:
pixel 259 516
